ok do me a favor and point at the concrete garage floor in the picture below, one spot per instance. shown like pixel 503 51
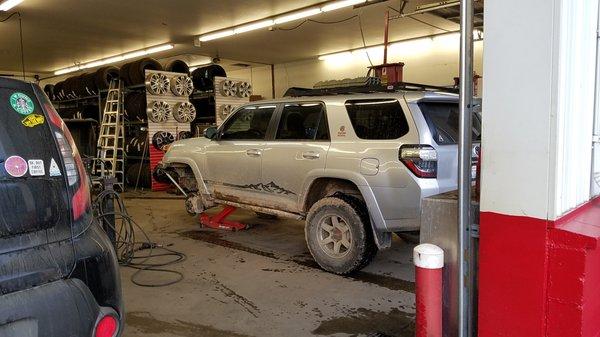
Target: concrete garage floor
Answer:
pixel 261 282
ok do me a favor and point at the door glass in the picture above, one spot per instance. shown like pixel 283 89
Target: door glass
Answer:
pixel 249 123
pixel 377 118
pixel 442 119
pixel 303 121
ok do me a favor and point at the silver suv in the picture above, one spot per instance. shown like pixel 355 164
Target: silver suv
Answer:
pixel 354 166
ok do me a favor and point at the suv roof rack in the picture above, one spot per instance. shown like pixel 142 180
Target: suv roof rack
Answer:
pixel 365 89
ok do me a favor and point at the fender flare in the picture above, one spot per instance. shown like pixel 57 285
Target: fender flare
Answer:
pixel 383 237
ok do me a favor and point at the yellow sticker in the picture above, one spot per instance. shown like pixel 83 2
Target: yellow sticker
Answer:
pixel 33 120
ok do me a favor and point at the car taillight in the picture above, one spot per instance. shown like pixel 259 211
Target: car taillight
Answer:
pixel 107 327
pixel 421 160
pixel 68 158
pixel 74 169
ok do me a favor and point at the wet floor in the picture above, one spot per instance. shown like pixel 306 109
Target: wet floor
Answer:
pixel 262 282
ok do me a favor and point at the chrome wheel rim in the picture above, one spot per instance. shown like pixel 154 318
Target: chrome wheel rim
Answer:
pixel 334 236
pixel 159 112
pixel 185 113
pixel 157 84
pixel 182 86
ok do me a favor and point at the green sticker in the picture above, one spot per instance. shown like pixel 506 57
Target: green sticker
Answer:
pixel 21 103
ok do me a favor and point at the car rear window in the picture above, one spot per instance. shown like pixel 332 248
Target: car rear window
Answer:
pixel 377 118
pixel 442 119
pixel 24 131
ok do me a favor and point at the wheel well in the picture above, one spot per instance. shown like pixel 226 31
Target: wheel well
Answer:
pixel 185 176
pixel 323 187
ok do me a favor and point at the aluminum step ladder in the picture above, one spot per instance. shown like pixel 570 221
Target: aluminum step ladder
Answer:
pixel 111 142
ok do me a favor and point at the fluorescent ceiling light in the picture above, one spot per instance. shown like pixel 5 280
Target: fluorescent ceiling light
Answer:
pixel 336 56
pixel 341 4
pixel 253 26
pixel 217 35
pixel 418 45
pixel 8 4
pixel 297 15
pixel 117 58
pixel 290 16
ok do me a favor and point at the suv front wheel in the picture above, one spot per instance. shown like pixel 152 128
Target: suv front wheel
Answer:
pixel 338 234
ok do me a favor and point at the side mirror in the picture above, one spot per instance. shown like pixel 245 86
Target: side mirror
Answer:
pixel 210 132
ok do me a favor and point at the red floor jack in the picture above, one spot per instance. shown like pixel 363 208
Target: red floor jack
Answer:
pixel 218 221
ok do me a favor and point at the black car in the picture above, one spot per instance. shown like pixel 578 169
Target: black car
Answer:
pixel 59 274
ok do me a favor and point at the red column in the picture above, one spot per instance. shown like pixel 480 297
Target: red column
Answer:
pixel 429 262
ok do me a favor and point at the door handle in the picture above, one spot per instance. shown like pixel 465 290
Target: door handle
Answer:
pixel 311 155
pixel 253 153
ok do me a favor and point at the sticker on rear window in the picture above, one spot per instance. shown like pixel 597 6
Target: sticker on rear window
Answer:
pixel 33 120
pixel 15 166
pixel 36 168
pixel 21 103
pixel 54 170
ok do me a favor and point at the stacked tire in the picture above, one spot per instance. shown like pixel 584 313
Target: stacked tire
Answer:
pixel 83 85
pixel 134 73
pixel 204 77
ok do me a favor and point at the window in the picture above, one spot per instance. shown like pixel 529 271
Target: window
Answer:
pixel 442 119
pixel 303 121
pixel 249 123
pixel 377 118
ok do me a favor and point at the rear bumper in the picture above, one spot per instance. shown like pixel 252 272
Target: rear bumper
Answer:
pixel 57 309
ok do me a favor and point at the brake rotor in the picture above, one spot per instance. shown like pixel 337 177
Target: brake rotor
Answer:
pixel 228 88
pixel 162 139
pixel 182 85
pixel 184 112
pixel 244 89
pixel 157 84
pixel 159 111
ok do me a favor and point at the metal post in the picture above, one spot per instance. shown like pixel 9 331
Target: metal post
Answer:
pixel 386 37
pixel 464 170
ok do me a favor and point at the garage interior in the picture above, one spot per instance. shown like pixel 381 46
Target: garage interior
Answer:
pixel 518 221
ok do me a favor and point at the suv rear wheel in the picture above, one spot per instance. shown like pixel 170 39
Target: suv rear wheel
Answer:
pixel 338 234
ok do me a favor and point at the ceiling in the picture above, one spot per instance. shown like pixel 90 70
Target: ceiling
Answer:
pixel 60 33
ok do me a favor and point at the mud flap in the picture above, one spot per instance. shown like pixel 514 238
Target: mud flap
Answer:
pixel 383 240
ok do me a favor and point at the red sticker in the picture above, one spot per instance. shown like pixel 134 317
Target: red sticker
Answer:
pixel 16 166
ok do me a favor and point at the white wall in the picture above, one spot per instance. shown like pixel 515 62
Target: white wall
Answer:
pixel 538 106
pixel 517 107
pixel 575 115
pixel 260 77
pixel 433 61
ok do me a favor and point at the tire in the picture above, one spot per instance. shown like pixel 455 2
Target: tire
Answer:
pixel 105 75
pixel 49 90
pixel 143 170
pixel 177 66
pixel 351 214
pixel 204 77
pixel 124 74
pixel 58 91
pixel 137 70
pixel 135 106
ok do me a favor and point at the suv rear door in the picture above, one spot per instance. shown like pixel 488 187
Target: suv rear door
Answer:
pixel 35 209
pixel 441 118
pixel 296 152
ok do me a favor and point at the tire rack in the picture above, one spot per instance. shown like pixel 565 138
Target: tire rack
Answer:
pixel 171 125
pixel 222 100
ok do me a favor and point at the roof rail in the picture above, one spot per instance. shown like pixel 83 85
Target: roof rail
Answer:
pixel 297 92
